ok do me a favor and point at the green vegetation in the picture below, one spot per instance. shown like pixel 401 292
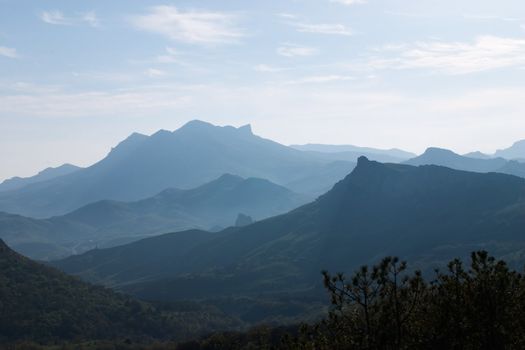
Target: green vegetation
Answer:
pixel 390 307
pixel 38 303
pixel 387 307
pixel 479 307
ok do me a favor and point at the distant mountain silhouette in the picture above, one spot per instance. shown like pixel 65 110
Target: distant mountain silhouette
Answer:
pixel 109 223
pixel 199 152
pixel 444 157
pixel 478 155
pixel 46 174
pixel 427 214
pixel 516 151
pixel 352 153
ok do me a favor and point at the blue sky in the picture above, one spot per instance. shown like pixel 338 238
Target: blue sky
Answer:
pixel 76 77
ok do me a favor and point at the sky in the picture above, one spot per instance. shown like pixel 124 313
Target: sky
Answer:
pixel 77 77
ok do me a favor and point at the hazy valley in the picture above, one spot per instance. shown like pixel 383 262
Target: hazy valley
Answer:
pixel 273 175
pixel 259 243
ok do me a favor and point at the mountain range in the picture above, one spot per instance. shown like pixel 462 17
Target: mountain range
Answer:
pixel 427 214
pixel 516 151
pixel 474 162
pixel 199 152
pixel 212 206
pixel 46 174
pixel 352 153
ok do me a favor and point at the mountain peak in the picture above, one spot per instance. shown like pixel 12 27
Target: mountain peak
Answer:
pixel 361 161
pixel 161 132
pixel 225 180
pixel 202 126
pixel 128 144
pixel 367 172
pixel 246 129
pixel 516 151
pixel 197 124
pixel 228 176
pixel 437 150
pixel 366 168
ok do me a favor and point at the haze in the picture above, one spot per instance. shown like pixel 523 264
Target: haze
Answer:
pixel 78 77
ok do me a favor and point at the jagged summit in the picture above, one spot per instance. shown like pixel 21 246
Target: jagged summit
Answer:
pixel 143 166
pixel 369 167
pixel 246 129
pixel 128 144
pixel 136 136
pixel 202 126
pixel 370 172
pixel 133 139
pixel 516 151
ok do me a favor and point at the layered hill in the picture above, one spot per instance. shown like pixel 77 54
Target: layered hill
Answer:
pixel 352 153
pixel 427 214
pixel 444 157
pixel 46 174
pixel 39 303
pixel 108 223
pixel 142 166
pixel 516 151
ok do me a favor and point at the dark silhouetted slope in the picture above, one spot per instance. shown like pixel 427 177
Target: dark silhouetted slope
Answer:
pixel 427 214
pixel 39 303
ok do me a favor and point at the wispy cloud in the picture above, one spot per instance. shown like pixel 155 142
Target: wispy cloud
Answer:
pixel 319 79
pixel 155 73
pixel 265 68
pixel 302 104
pixel 332 29
pixel 56 17
pixel 292 50
pixel 170 56
pixel 91 19
pixel 483 54
pixel 350 2
pixel 287 15
pixel 195 27
pixel 487 17
pixel 8 52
